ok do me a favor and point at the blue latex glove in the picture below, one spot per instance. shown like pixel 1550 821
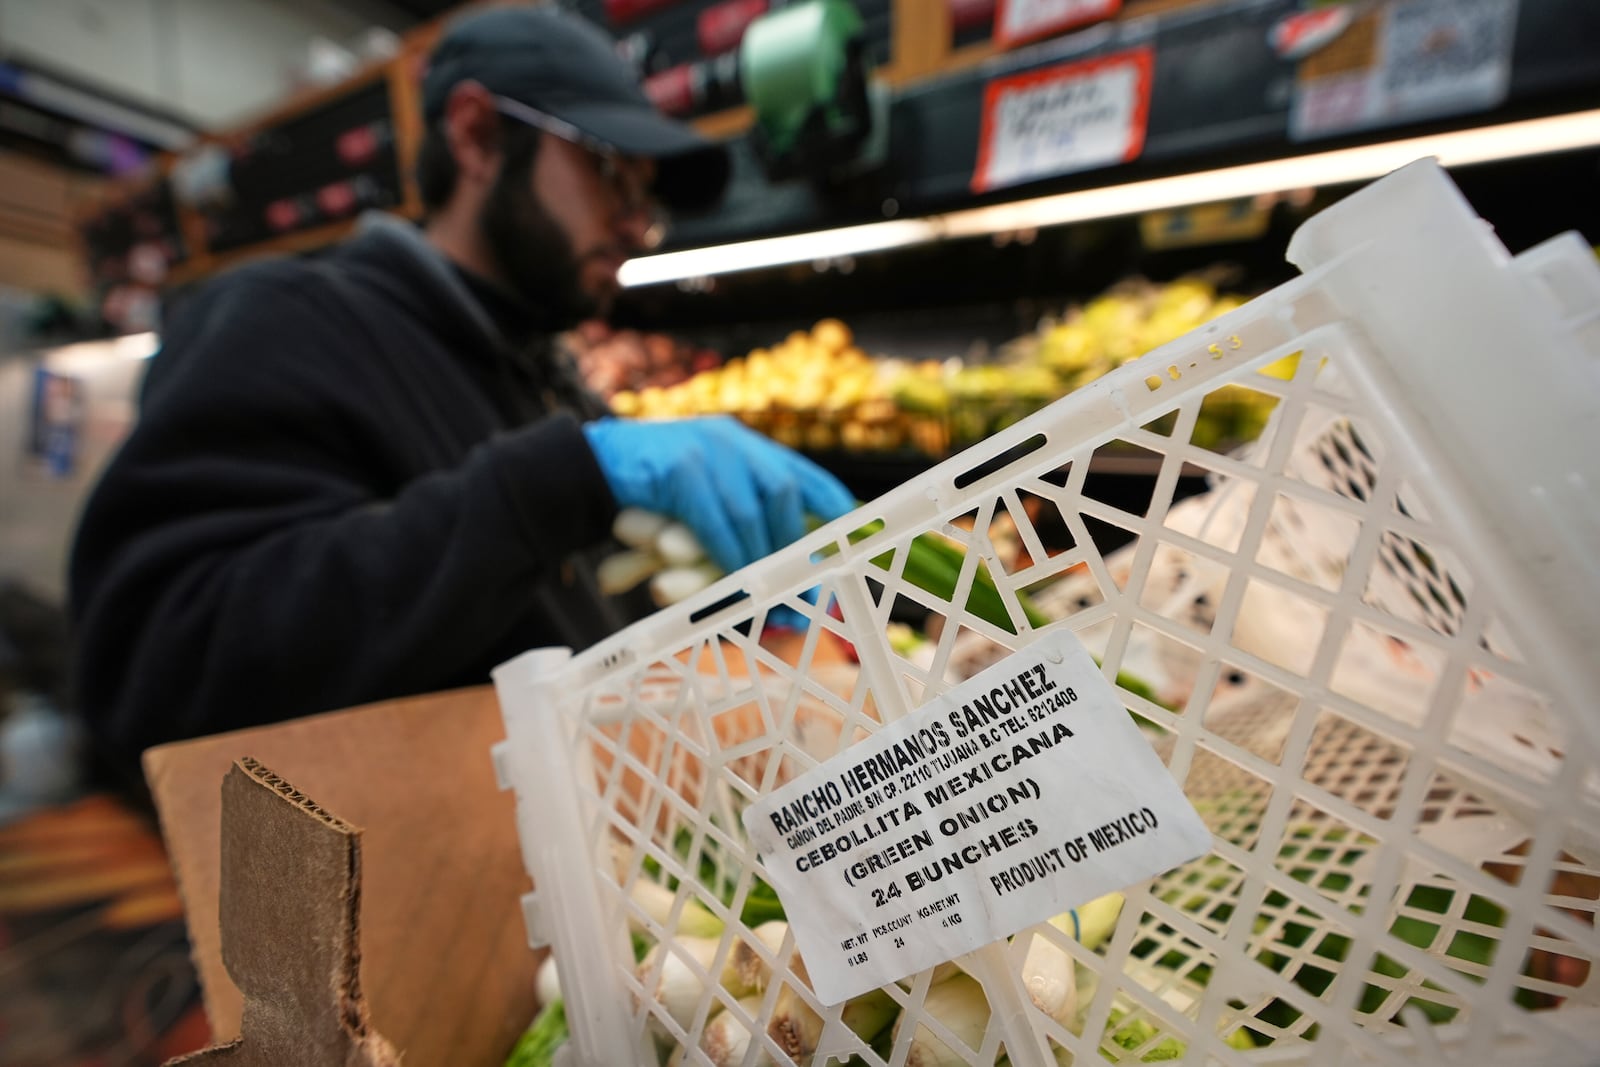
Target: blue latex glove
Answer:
pixel 742 494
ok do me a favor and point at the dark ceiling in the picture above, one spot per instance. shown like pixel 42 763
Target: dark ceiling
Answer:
pixel 424 9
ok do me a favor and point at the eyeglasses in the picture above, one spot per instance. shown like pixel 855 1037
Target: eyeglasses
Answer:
pixel 631 191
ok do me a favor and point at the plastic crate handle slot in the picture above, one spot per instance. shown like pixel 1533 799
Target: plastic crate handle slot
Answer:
pixel 995 464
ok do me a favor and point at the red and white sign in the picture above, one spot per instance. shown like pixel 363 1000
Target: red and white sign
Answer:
pixel 357 146
pixel 623 11
pixel 336 199
pixel 672 90
pixel 283 214
pixel 721 28
pixel 1019 21
pixel 1063 119
pixel 970 14
pixel 1311 31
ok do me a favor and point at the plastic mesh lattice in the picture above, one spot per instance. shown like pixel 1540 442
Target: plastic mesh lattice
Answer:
pixel 1403 862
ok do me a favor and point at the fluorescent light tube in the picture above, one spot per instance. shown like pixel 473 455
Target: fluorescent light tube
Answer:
pixel 1461 148
pixel 772 251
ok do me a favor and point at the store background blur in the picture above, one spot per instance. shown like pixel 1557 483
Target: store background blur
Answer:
pixel 146 145
pixel 94 961
pixel 93 93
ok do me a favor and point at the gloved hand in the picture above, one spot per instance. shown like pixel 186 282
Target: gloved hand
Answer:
pixel 743 495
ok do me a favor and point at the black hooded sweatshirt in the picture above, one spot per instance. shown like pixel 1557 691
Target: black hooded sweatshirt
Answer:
pixel 346 484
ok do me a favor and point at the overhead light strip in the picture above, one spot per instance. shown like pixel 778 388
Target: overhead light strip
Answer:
pixel 772 251
pixel 99 111
pixel 1531 137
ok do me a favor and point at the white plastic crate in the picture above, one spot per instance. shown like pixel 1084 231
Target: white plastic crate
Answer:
pixel 1376 631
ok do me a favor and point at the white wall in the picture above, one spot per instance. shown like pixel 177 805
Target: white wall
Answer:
pixel 108 42
pixel 38 512
pixel 214 62
pixel 234 59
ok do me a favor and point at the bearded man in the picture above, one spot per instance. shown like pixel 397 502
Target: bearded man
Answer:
pixel 369 473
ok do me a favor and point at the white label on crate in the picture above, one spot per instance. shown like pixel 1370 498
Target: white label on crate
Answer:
pixel 1016 21
pixel 1430 58
pixel 1063 119
pixel 1023 792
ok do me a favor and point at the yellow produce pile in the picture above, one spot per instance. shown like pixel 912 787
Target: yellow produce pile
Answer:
pixel 1125 323
pixel 817 390
pixel 1136 317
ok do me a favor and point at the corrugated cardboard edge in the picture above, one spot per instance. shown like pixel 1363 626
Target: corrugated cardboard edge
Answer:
pixel 446 968
pixel 447 963
pixel 291 890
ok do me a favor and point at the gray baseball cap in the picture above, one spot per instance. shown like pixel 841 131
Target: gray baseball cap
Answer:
pixel 566 67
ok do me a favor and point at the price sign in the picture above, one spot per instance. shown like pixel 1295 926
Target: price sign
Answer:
pixel 1404 62
pixel 1063 119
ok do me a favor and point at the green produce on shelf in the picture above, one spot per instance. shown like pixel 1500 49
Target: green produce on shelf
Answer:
pixel 818 390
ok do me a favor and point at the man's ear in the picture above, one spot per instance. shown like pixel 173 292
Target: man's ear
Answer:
pixel 472 129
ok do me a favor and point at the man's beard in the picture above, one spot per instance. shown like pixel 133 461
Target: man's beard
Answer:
pixel 535 256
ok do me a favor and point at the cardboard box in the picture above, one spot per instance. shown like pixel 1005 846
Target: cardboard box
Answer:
pixel 441 949
pixel 435 916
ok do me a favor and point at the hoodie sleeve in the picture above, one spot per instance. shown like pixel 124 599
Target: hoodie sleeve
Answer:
pixel 249 556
